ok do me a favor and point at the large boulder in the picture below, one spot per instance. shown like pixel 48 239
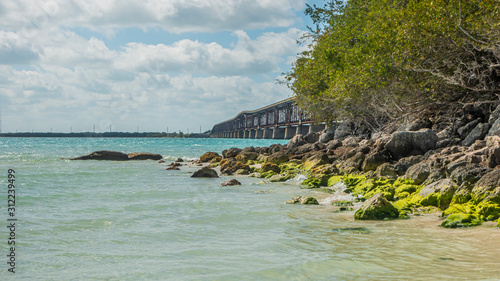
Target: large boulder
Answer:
pixel 232 152
pixel 419 172
pixel 488 188
pixel 373 160
pixel 376 208
pixel 144 156
pixel 478 133
pixel 103 155
pixel 205 172
pixel 208 156
pixel 311 137
pixel 297 140
pixel 466 129
pixel 406 143
pixel 315 160
pixel 277 158
pixel 438 194
pixel 327 135
pixel 245 156
pixel 230 166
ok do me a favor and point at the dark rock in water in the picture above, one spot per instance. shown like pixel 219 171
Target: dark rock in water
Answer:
pixel 205 172
pixel 303 200
pixel 376 208
pixel 161 161
pixel 104 155
pixel 207 156
pixel 354 230
pixel 172 168
pixel 232 152
pixel 230 183
pixel 144 156
pixel 179 160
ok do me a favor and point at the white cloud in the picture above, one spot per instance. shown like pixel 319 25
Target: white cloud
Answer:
pixel 15 49
pixel 175 16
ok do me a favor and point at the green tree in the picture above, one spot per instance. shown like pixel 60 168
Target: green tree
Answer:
pixel 377 61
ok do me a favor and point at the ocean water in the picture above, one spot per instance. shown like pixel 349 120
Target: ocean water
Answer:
pixel 105 220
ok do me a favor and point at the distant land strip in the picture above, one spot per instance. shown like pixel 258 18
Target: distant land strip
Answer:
pixel 105 135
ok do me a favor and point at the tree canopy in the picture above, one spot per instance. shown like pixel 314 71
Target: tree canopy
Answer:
pixel 377 61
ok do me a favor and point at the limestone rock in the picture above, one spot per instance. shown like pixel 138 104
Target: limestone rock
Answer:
pixel 376 208
pixel 266 167
pixel 478 133
pixel 245 156
pixel 232 152
pixel 103 155
pixel 373 160
pixel 303 200
pixel 315 160
pixel 495 128
pixel 144 156
pixel 386 170
pixel 205 172
pixel 488 187
pixel 419 172
pixel 353 162
pixel 209 156
pixel 296 141
pixel 405 143
pixel 277 158
pixel 465 130
pixel 494 115
pixel 230 183
pixel 311 137
pixel 230 166
pixel 438 194
pixel 327 135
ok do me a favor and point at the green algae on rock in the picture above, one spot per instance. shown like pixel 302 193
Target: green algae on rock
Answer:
pixel 460 220
pixel 376 208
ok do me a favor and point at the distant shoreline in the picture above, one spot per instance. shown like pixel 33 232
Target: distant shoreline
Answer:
pixel 105 135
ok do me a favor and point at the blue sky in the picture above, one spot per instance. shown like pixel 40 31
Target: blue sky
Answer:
pixel 150 64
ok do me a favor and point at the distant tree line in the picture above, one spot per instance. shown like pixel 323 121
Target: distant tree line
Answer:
pixel 382 61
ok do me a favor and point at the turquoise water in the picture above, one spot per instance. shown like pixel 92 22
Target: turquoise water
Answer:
pixel 102 220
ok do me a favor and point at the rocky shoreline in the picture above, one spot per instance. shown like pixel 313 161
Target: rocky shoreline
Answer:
pixel 417 169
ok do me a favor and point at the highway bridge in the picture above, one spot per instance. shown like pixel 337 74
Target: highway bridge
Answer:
pixel 280 120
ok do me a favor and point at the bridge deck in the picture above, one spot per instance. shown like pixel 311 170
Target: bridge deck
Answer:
pixel 280 120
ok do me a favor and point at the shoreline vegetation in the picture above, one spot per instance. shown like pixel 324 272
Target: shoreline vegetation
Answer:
pixel 410 172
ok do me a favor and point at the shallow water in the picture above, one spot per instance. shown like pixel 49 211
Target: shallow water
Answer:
pixel 100 220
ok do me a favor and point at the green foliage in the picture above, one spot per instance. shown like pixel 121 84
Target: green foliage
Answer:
pixel 377 60
pixel 461 220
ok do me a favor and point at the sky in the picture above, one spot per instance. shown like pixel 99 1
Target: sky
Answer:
pixel 143 65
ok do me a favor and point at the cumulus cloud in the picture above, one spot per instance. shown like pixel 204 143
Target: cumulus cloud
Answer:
pixel 15 49
pixel 175 16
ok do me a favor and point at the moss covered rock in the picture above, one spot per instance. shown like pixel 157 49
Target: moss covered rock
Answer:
pixel 315 160
pixel 311 183
pixel 488 188
pixel 376 208
pixel 281 177
pixel 438 194
pixel 303 200
pixel 209 156
pixel 460 220
pixel 266 167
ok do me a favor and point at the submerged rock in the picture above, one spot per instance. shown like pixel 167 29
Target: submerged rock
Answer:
pixel 376 208
pixel 303 200
pixel 103 155
pixel 230 183
pixel 144 156
pixel 205 172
